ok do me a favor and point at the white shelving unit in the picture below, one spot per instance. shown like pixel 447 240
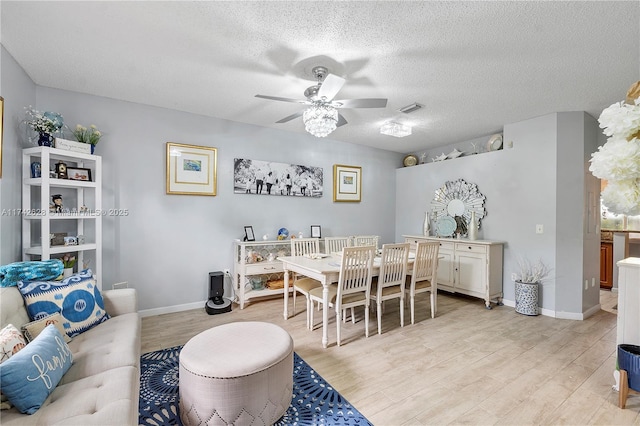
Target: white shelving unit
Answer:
pixel 265 265
pixel 38 222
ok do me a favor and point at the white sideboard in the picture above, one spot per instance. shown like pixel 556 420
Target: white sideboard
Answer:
pixel 469 267
pixel 258 258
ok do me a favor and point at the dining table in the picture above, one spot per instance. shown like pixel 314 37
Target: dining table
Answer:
pixel 324 268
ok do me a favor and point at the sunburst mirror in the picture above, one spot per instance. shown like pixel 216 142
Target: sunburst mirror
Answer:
pixel 458 198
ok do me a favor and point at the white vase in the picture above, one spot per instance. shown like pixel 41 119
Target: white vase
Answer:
pixel 472 231
pixel 426 228
pixel 67 272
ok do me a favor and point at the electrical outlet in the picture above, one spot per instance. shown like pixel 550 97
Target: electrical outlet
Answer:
pixel 539 229
pixel 227 272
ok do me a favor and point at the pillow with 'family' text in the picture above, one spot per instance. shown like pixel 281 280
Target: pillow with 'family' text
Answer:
pixel 28 377
pixel 77 298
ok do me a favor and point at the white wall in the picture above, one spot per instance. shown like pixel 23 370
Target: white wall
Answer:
pixel 168 244
pixel 523 188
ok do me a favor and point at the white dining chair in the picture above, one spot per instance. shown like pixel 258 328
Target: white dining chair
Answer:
pixel 366 240
pixel 424 275
pixel 336 244
pixel 354 286
pixel 302 284
pixel 390 283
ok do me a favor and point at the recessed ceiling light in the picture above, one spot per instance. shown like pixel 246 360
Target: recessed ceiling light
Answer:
pixel 395 129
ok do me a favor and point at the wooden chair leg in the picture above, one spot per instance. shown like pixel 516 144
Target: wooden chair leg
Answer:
pixel 624 389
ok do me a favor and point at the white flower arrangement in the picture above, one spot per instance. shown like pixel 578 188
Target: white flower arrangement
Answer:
pixel 531 272
pixel 618 160
pixel 43 122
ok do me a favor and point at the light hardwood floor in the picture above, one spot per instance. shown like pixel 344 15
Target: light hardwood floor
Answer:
pixel 468 365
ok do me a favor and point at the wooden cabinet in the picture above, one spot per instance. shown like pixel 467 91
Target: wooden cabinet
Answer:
pixel 606 265
pixel 468 267
pixel 256 261
pixel 80 215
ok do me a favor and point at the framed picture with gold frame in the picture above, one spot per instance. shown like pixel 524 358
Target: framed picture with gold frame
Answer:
pixel 347 183
pixel 191 169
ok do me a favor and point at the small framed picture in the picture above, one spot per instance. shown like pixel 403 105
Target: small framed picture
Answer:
pixel 70 241
pixel 75 173
pixel 248 233
pixel 316 231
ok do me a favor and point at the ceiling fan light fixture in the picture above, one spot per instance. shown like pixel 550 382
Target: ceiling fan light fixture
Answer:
pixel 320 119
pixel 398 130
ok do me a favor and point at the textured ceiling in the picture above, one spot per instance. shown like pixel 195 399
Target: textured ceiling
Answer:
pixel 475 66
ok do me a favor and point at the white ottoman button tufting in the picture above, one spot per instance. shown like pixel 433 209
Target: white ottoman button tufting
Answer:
pixel 236 374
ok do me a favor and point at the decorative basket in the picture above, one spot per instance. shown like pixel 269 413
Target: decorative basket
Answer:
pixel 629 360
pixel 526 298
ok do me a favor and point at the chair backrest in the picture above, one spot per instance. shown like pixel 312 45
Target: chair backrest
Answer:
pixel 336 244
pixel 366 240
pixel 355 271
pixel 302 246
pixel 393 266
pixel 425 265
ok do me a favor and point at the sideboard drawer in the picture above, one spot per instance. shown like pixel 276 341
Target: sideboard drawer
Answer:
pixel 470 248
pixel 263 268
pixel 444 245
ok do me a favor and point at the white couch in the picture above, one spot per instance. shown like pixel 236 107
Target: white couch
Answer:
pixel 102 386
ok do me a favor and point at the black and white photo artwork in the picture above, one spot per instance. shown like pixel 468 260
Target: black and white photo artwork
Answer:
pixel 271 178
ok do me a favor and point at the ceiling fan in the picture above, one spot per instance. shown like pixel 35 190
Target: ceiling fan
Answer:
pixel 322 117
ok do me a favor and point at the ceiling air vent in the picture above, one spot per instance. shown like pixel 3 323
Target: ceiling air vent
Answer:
pixel 411 108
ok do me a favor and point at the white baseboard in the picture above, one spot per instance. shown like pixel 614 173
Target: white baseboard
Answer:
pixel 559 315
pixel 172 309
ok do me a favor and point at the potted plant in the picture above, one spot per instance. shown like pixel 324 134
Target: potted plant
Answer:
pixel 90 135
pixel 68 261
pixel 527 281
pixel 45 124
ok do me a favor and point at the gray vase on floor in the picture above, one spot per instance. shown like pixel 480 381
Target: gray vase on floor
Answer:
pixel 526 298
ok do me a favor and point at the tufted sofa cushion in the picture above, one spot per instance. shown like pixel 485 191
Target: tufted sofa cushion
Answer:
pixel 102 385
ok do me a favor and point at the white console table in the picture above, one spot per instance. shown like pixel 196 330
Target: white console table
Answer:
pixel 469 267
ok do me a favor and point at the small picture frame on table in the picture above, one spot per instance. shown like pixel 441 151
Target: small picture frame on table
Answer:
pixel 77 173
pixel 248 233
pixel 316 231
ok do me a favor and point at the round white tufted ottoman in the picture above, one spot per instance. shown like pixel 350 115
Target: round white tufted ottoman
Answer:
pixel 236 374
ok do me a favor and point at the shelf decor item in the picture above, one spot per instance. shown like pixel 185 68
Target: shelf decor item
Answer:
pixel 426 227
pixel 191 169
pixel 68 261
pixel 527 281
pixel 347 183
pixel 67 145
pixel 472 229
pixel 90 135
pixel 44 124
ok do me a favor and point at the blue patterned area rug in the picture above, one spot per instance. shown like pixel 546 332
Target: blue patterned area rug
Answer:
pixel 314 401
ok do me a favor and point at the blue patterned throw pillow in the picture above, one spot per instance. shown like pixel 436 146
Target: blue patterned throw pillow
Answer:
pixel 28 271
pixel 29 376
pixel 77 298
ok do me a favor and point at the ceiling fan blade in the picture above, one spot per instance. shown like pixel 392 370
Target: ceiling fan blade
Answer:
pixel 361 103
pixel 277 98
pixel 341 121
pixel 290 117
pixel 330 86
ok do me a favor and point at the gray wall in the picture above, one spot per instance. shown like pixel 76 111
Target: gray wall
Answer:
pixel 167 244
pixel 524 186
pixel 18 92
